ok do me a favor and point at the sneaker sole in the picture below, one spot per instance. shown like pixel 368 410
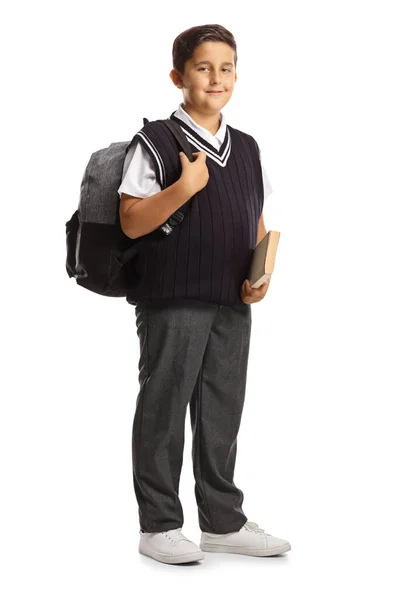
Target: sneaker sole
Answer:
pixel 243 550
pixel 172 560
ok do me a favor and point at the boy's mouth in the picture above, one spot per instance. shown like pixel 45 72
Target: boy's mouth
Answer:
pixel 214 92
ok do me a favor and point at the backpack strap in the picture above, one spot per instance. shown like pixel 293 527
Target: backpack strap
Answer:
pixel 180 137
pixel 179 214
pixel 131 142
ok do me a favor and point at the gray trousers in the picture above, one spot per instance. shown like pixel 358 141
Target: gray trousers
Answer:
pixel 190 352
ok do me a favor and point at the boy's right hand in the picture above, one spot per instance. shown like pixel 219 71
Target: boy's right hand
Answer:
pixel 194 174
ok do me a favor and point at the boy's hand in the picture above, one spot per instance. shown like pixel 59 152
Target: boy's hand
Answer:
pixel 194 174
pixel 250 295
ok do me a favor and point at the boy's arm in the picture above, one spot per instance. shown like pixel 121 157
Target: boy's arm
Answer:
pixel 261 229
pixel 140 216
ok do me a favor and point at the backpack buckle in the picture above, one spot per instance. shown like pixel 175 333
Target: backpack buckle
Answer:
pixel 176 218
pixel 165 229
pixel 171 222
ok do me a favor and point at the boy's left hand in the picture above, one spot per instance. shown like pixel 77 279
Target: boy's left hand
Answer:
pixel 250 295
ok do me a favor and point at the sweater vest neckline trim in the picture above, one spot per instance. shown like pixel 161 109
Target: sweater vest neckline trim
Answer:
pixel 219 156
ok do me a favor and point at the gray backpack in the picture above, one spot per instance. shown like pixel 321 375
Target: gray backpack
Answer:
pixel 99 255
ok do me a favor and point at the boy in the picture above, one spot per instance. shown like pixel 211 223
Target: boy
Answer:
pixel 192 301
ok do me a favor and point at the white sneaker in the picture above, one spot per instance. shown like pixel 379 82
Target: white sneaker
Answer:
pixel 250 540
pixel 170 546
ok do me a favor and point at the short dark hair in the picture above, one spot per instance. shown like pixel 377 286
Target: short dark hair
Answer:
pixel 186 42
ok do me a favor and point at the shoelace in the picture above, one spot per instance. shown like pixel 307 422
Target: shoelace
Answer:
pixel 175 535
pixel 254 527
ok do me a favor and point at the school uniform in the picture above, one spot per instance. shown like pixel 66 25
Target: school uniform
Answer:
pixel 141 181
pixel 193 328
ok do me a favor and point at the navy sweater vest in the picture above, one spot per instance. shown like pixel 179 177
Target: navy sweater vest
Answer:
pixel 207 256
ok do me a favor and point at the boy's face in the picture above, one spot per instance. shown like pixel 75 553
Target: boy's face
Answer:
pixel 210 68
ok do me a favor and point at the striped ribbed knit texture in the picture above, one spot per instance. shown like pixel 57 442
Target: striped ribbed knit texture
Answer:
pixel 207 256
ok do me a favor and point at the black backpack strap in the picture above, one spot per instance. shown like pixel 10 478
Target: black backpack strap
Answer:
pixel 176 132
pixel 131 142
pixel 179 136
pixel 179 214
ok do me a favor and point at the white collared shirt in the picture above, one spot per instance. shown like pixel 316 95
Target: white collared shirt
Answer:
pixel 139 177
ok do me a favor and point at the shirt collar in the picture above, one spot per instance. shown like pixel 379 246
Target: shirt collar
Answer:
pixel 215 140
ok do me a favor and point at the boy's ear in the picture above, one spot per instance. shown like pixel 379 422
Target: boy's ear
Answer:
pixel 175 77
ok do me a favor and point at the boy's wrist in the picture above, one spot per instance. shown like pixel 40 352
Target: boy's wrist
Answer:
pixel 184 187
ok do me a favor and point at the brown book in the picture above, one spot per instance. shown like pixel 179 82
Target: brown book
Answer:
pixel 263 259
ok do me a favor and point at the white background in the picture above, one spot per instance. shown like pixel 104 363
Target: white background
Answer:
pixel 317 459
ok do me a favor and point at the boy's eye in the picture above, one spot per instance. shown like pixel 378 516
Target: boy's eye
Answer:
pixel 225 69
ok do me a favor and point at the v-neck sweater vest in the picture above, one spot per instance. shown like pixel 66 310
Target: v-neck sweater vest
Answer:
pixel 207 256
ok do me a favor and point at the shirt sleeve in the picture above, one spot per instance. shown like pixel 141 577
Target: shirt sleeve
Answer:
pixel 138 174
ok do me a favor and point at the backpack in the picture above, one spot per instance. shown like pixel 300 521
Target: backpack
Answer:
pixel 99 255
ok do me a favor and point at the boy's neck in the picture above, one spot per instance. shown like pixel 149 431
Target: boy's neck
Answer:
pixel 210 122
